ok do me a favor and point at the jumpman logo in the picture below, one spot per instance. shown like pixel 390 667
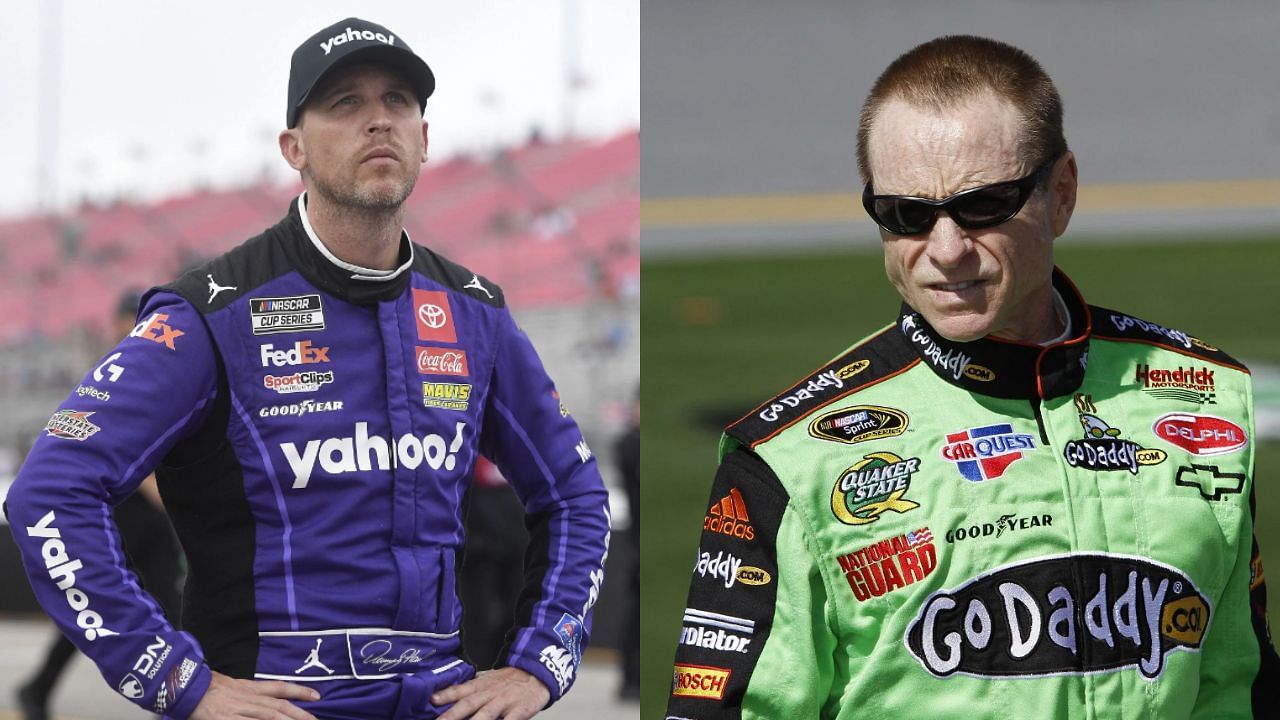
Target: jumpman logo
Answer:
pixel 475 283
pixel 313 660
pixel 215 288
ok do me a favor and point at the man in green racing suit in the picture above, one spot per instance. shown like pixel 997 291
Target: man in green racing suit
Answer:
pixel 1007 504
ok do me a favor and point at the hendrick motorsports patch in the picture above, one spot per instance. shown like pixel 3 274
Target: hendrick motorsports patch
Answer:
pixel 1061 615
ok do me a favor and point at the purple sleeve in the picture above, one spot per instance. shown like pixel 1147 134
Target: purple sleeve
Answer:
pixel 150 391
pixel 540 450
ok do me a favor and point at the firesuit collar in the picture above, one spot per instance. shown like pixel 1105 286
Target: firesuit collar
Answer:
pixel 1005 369
pixel 350 282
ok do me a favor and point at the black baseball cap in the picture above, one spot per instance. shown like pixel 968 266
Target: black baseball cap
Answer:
pixel 349 41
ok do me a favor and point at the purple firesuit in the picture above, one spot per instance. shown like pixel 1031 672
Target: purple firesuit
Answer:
pixel 313 426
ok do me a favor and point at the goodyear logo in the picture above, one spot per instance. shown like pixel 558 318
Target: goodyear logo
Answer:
pixel 873 486
pixel 450 396
pixel 859 423
pixel 1061 615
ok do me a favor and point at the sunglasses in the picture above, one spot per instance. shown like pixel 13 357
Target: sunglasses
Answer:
pixel 972 209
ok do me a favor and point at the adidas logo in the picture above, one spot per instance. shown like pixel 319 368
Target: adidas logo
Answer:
pixel 729 517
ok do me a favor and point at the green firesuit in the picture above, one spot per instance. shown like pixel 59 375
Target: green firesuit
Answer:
pixel 932 529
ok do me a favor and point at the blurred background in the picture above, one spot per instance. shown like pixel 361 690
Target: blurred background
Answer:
pixel 139 138
pixel 759 263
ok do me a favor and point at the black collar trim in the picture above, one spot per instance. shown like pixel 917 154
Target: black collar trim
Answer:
pixel 1002 368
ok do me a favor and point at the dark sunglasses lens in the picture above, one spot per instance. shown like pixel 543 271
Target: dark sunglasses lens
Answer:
pixel 903 217
pixel 986 207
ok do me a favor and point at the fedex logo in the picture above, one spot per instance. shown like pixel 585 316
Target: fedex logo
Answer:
pixel 157 330
pixel 302 353
pixel 984 453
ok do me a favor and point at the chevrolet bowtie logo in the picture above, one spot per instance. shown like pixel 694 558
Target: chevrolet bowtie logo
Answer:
pixel 1211 482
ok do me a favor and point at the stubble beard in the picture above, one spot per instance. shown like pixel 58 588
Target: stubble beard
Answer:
pixel 376 198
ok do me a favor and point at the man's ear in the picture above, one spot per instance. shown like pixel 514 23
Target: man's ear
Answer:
pixel 424 141
pixel 1063 186
pixel 291 148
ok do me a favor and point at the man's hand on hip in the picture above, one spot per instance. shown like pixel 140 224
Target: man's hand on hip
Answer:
pixel 228 698
pixel 508 693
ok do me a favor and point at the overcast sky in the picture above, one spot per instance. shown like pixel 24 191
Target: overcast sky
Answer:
pixel 156 96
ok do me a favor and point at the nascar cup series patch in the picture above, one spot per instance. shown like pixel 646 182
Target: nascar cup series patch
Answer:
pixel 1061 615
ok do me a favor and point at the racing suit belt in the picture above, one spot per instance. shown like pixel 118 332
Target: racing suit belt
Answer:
pixel 353 654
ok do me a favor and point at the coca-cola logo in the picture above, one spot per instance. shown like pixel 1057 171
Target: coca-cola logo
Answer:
pixel 1200 434
pixel 442 361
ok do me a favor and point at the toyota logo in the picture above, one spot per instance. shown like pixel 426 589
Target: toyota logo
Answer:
pixel 433 316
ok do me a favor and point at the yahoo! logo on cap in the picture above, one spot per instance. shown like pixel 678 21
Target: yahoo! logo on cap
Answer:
pixel 353 35
pixel 984 453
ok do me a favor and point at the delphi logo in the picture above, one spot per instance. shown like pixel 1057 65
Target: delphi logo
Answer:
pixel 354 35
pixel 729 517
pixel 363 453
pixel 1061 615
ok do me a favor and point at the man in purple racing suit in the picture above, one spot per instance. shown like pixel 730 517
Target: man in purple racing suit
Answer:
pixel 313 403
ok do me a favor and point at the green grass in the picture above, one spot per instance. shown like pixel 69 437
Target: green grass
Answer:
pixel 722 335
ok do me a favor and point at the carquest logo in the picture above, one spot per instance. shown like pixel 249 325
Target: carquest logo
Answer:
pixel 1061 615
pixel 62 570
pixel 362 453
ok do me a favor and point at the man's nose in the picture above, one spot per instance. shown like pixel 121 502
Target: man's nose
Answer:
pixel 948 242
pixel 379 120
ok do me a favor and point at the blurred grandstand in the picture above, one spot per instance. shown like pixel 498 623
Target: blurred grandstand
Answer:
pixel 556 224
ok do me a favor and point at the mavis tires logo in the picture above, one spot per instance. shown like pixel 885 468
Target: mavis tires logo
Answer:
pixel 1061 615
pixel 872 486
pixel 859 423
pixel 1200 434
pixel 984 453
pixel 363 453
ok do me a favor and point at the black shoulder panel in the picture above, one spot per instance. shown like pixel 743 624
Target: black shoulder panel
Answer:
pixel 733 593
pixel 217 283
pixel 878 358
pixel 1115 325
pixel 452 275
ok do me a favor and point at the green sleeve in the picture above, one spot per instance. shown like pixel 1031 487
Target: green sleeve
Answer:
pixel 800 651
pixel 1229 658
